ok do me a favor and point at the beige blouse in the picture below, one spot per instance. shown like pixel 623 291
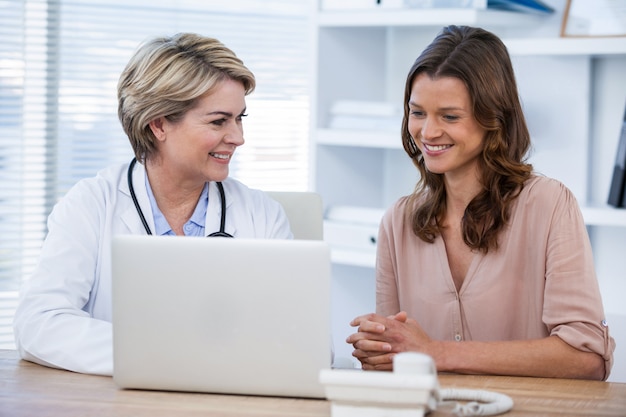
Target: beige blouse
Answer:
pixel 539 282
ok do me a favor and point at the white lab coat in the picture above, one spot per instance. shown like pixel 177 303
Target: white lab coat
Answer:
pixel 63 318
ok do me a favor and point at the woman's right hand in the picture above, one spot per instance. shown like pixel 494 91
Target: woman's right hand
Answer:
pixel 379 338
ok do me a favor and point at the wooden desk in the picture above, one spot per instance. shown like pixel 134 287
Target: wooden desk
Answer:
pixel 29 390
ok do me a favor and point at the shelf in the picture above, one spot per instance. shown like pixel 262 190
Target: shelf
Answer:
pixel 566 46
pixel 360 138
pixel 426 17
pixel 353 257
pixel 604 216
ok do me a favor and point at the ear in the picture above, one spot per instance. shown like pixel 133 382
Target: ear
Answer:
pixel 157 126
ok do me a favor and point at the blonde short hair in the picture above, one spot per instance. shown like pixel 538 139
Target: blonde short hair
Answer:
pixel 166 76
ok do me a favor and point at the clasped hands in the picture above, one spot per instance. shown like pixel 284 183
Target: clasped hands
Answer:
pixel 378 339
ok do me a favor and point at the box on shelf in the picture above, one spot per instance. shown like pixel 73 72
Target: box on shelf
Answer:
pixel 365 115
pixel 365 108
pixel 352 227
pixel 365 123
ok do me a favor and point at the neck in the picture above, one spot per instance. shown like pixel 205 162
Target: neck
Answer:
pixel 460 191
pixel 176 199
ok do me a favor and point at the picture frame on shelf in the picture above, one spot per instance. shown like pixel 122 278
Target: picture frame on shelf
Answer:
pixel 584 18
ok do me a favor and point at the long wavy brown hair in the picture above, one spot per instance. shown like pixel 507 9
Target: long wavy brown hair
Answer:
pixel 481 60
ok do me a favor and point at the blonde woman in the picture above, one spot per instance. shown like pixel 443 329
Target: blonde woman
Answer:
pixel 181 104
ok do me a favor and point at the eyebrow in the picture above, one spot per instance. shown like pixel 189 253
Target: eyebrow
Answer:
pixel 223 113
pixel 220 113
pixel 449 108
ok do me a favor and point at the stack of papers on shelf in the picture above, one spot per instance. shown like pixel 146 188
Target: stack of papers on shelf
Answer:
pixel 365 115
pixel 398 4
pixel 446 4
pixel 361 4
pixel 354 228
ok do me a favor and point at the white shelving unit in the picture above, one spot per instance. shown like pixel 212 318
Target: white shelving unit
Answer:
pixel 573 91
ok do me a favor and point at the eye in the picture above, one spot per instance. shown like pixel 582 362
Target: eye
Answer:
pixel 417 113
pixel 450 117
pixel 219 122
pixel 241 116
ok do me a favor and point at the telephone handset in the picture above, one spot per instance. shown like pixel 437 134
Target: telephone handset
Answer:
pixel 411 390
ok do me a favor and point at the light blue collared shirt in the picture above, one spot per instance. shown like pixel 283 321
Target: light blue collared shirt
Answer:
pixel 193 227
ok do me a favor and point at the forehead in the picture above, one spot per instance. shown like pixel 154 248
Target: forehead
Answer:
pixel 448 90
pixel 226 95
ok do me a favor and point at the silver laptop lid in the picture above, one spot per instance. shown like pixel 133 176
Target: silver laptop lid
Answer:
pixel 236 316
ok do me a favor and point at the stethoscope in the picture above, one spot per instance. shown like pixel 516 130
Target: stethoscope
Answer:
pixel 220 187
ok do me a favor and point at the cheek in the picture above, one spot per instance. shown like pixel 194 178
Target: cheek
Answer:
pixel 479 136
pixel 415 127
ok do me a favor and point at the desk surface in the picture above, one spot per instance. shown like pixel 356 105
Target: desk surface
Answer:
pixel 27 389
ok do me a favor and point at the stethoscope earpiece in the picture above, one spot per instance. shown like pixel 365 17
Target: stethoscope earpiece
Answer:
pixel 220 187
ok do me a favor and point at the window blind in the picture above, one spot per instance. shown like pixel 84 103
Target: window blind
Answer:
pixel 59 65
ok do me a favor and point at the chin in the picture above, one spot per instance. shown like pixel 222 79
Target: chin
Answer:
pixel 221 176
pixel 435 170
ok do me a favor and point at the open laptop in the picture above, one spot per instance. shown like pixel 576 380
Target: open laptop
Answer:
pixel 234 316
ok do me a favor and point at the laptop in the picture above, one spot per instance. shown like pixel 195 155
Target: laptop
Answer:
pixel 218 315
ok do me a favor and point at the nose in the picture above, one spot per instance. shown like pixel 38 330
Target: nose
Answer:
pixel 234 135
pixel 430 128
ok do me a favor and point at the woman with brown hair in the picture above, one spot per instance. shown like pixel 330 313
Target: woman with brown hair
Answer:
pixel 487 266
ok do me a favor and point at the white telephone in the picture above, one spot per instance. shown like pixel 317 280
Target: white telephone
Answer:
pixel 411 390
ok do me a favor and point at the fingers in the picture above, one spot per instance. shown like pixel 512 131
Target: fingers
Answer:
pixel 368 345
pixel 401 316
pixel 367 317
pixel 377 367
pixel 383 362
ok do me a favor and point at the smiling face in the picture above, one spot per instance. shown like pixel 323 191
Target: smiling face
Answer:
pixel 199 147
pixel 443 126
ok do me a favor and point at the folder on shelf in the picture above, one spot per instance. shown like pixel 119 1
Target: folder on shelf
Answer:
pixel 617 192
pixel 527 6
